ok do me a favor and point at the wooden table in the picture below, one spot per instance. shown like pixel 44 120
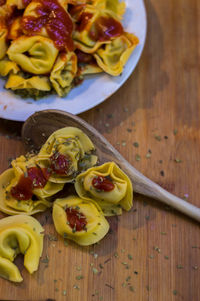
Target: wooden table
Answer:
pixel 153 252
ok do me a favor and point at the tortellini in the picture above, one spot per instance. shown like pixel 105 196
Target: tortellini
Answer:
pixel 114 55
pixel 33 54
pixel 66 152
pixel 25 189
pixel 79 220
pixel 108 185
pixel 63 73
pixel 16 81
pixel 53 45
pixel 19 234
pixel 7 67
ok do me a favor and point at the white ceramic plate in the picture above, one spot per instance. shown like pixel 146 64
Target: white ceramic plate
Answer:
pixel 94 90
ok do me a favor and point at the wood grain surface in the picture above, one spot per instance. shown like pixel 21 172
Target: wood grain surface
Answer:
pixel 152 252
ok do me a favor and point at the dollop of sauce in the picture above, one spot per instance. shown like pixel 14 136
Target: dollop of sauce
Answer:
pixel 105 28
pixel 60 164
pixel 35 178
pixel 52 16
pixel 76 220
pixel 38 176
pixel 26 2
pixel 103 183
pixel 23 190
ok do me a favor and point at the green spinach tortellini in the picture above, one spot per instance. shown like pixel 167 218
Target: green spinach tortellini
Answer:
pixel 65 153
pixel 79 220
pixel 25 189
pixel 114 55
pixel 19 234
pixel 108 185
pixel 34 54
pixel 114 5
pixel 63 73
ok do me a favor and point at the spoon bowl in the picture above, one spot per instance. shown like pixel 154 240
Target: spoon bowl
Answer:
pixel 39 126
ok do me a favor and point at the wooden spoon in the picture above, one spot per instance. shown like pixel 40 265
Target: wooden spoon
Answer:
pixel 40 125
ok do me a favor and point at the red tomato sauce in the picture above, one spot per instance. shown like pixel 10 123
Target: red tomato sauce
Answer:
pixel 23 189
pixel 83 21
pixel 103 183
pixel 2 2
pixel 36 178
pixel 60 164
pixel 105 28
pixel 77 220
pixel 55 19
pixel 84 57
pixel 39 177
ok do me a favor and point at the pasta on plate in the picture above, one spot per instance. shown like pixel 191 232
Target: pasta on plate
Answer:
pixel 49 46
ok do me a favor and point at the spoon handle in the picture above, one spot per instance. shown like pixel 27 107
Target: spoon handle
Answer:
pixel 145 186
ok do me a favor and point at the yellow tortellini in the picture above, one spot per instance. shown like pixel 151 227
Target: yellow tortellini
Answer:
pixel 15 81
pixel 3 43
pixel 24 189
pixel 41 55
pixel 7 67
pixel 108 185
pixel 19 234
pixel 114 55
pixel 66 152
pixel 63 73
pixel 79 220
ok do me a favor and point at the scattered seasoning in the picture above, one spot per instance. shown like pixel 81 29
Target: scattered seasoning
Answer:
pixel 136 144
pixel 130 257
pixel 128 278
pixel 148 288
pixel 175 292
pixel 124 284
pixel 76 287
pixel 64 292
pixel 195 247
pixel 147 217
pixel 162 173
pixel 195 267
pixel 107 125
pixel 137 157
pixel 166 257
pixel 66 244
pixel 135 272
pixel 131 288
pixel 157 249
pixel 157 137
pixel 175 132
pixel 108 285
pixel 123 143
pixel 79 277
pixel 178 160
pixel 123 250
pixel 148 155
pixel 134 238
pixel 55 280
pixel 107 260
pixel 45 260
pixel 95 271
pixel 163 233
pixel 110 116
pixel 165 137
pixel 96 255
pixel 116 255
pixel 52 237
pixel 56 289
pixel 129 130
pixel 160 161
pixel 151 256
pixel 101 298
pixel 101 266
pixel 179 266
pixel 78 268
